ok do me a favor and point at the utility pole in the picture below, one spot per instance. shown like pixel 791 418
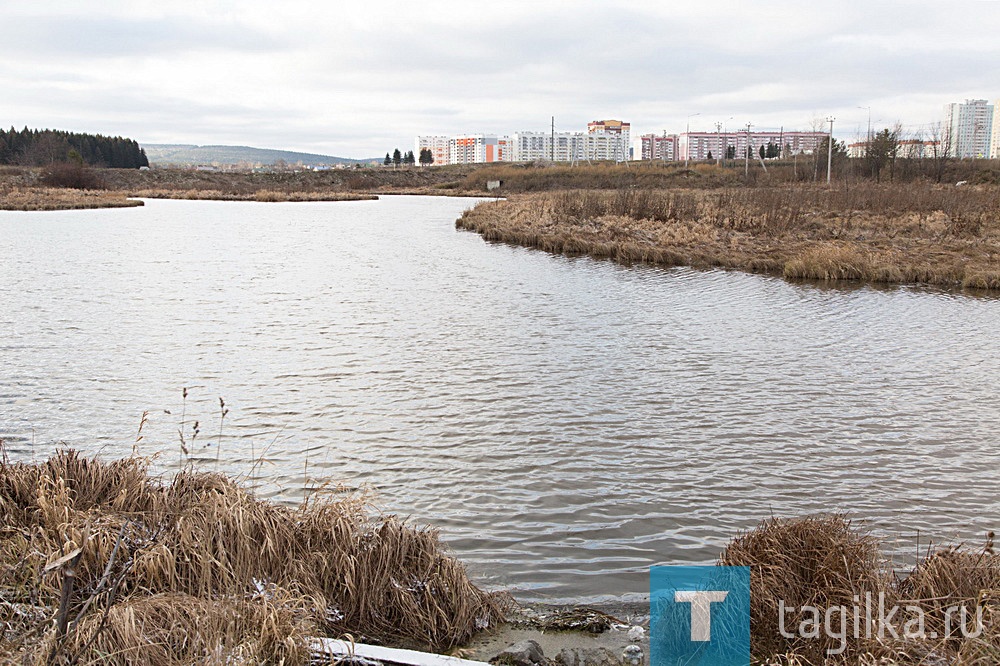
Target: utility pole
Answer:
pixel 718 136
pixel 829 151
pixel 553 148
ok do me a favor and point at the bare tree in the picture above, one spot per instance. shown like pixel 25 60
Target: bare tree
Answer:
pixel 940 149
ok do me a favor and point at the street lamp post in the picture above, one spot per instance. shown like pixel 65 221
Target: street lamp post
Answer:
pixel 687 135
pixel 746 153
pixel 829 151
pixel 726 134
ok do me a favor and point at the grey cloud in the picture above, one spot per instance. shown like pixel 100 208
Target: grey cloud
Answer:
pixel 82 36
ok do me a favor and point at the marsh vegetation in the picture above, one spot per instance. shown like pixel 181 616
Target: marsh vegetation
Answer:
pixel 888 233
pixel 102 562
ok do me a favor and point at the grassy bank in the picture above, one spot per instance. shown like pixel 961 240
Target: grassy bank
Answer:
pixel 648 174
pixel 23 188
pixel 915 233
pixel 48 198
pixel 100 562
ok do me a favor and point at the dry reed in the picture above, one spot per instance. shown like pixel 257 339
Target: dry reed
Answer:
pixel 817 562
pixel 49 198
pixel 915 233
pixel 824 562
pixel 197 570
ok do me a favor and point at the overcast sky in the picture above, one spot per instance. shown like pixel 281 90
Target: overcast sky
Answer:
pixel 358 78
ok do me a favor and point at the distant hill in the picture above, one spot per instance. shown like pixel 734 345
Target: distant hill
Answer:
pixel 189 155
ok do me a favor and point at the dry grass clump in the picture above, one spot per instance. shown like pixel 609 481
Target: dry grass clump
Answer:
pixel 817 562
pixel 50 198
pixel 823 562
pixel 101 562
pixel 956 576
pixel 916 233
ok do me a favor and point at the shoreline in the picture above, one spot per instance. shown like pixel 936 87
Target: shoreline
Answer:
pixel 916 235
pixel 51 199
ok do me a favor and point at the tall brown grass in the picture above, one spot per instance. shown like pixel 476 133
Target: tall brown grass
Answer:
pixel 654 174
pixel 917 233
pixel 825 561
pixel 51 198
pixel 196 569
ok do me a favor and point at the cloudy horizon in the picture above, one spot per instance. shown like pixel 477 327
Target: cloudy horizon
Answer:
pixel 356 81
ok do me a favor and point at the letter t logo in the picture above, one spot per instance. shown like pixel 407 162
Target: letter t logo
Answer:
pixel 701 611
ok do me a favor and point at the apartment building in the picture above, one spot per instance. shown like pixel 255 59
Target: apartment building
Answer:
pixel 437 144
pixel 656 147
pixel 995 134
pixel 906 148
pixel 603 140
pixel 478 149
pixel 968 128
pixel 607 140
pixel 529 146
pixel 698 145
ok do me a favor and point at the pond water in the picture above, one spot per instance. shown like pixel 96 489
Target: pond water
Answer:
pixel 565 422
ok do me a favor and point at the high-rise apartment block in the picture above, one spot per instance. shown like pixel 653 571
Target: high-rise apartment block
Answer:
pixel 608 140
pixel 968 128
pixel 698 145
pixel 438 145
pixel 995 134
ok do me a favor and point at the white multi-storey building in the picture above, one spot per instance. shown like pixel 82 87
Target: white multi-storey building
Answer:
pixel 995 134
pixel 607 140
pixel 698 145
pixel 968 127
pixel 656 147
pixel 603 140
pixel 478 149
pixel 529 146
pixel 438 145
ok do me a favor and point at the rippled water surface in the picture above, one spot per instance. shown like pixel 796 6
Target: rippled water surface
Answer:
pixel 565 422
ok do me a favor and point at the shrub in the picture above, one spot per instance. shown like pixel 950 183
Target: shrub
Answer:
pixel 73 175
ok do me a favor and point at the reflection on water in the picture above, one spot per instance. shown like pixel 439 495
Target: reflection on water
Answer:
pixel 565 422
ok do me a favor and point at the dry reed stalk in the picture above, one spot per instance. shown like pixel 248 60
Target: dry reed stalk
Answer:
pixel 150 552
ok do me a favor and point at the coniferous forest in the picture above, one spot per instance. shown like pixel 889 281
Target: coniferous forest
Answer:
pixel 29 147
